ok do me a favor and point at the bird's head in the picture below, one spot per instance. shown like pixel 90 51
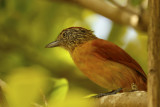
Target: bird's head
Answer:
pixel 72 37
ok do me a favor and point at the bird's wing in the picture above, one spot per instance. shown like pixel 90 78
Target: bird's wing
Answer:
pixel 109 51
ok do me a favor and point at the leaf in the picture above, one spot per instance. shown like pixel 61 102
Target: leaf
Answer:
pixel 59 92
pixel 136 2
pixel 117 34
pixel 24 85
pixel 90 96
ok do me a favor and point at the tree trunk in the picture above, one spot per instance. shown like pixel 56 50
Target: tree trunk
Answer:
pixel 154 54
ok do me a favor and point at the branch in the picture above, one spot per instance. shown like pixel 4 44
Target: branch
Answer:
pixel 126 99
pixel 112 12
pixel 123 8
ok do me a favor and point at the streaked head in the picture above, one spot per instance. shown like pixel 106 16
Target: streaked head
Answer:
pixel 72 37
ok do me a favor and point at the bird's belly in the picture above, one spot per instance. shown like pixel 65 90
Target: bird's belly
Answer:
pixel 107 74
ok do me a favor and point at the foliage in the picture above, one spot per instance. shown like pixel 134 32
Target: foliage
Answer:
pixel 36 76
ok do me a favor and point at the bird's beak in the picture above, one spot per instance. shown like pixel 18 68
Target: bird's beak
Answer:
pixel 53 44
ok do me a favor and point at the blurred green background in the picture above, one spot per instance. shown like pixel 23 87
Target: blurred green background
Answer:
pixel 33 75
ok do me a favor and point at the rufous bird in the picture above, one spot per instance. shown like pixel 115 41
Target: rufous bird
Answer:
pixel 101 61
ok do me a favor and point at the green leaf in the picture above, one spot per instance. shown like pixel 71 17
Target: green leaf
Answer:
pixel 135 2
pixel 24 86
pixel 117 34
pixel 59 92
pixel 90 96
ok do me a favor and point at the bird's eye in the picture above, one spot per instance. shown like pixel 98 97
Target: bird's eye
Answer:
pixel 64 35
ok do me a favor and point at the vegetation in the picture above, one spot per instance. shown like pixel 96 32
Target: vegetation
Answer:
pixel 32 75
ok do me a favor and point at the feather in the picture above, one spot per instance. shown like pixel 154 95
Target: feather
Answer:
pixel 109 51
pixel 108 65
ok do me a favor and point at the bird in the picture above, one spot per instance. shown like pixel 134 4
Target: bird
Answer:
pixel 102 61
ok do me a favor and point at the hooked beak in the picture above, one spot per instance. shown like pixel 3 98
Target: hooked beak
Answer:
pixel 53 44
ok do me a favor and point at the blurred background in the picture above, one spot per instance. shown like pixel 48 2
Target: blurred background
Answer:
pixel 33 75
